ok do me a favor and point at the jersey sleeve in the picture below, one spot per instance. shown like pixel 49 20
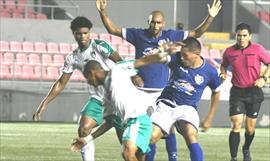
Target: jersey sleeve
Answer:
pixel 215 82
pixel 178 35
pixel 127 67
pixel 68 66
pixel 104 48
pixel 264 56
pixel 225 62
pixel 130 34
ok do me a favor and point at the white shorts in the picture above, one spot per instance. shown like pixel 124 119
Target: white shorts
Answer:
pixel 165 116
pixel 153 98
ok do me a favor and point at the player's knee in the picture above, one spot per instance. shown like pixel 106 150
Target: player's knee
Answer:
pixel 128 155
pixel 250 130
pixel 236 126
pixel 84 130
pixel 154 138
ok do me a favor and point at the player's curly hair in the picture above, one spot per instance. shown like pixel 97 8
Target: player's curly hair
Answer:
pixel 79 22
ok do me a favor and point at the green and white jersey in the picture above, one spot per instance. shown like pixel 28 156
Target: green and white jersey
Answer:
pixel 127 101
pixel 98 50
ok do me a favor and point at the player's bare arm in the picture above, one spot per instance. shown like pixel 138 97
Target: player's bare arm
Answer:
pixel 264 78
pixel 109 25
pixel 115 57
pixel 212 12
pixel 56 89
pixel 206 123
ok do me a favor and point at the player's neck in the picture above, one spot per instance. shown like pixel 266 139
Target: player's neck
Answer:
pixel 197 63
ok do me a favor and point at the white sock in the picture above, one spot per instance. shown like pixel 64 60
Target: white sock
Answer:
pixel 88 151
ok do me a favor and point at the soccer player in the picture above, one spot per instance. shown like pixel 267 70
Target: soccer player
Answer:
pixel 246 94
pixel 88 49
pixel 153 78
pixel 177 105
pixel 133 113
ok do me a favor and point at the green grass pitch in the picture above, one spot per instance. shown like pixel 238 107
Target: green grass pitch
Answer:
pixel 50 142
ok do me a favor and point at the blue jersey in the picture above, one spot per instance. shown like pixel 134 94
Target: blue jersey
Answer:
pixel 154 75
pixel 186 85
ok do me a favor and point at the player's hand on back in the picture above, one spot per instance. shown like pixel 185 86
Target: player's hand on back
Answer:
pixel 137 81
pixel 215 8
pixel 101 5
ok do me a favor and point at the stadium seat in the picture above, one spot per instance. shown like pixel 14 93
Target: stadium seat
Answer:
pixel 17 15
pixel 4 46
pixel 5 72
pixel 58 60
pixel 77 76
pixel 10 5
pixel 132 50
pixel 8 59
pixel 38 72
pixel 5 13
pixel 34 59
pixel 15 46
pixel 123 50
pixel 41 16
pixel 116 40
pixel 40 47
pixel 16 70
pixel 93 35
pixel 52 73
pixel 74 46
pixel 28 47
pixel 64 48
pixel 21 59
pixel 52 47
pixel 105 37
pixel 46 60
pixel 28 73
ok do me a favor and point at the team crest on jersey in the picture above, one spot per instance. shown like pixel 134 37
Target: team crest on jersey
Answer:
pixel 199 79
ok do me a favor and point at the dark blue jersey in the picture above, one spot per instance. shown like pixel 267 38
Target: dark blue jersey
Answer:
pixel 154 75
pixel 186 85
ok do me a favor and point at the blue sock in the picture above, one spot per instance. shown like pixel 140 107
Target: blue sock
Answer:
pixel 171 147
pixel 151 155
pixel 196 153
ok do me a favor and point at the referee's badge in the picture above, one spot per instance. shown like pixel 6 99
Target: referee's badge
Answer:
pixel 199 79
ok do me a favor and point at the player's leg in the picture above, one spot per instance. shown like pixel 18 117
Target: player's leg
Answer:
pixel 91 116
pixel 139 143
pixel 189 132
pixel 251 118
pixel 236 110
pixel 171 145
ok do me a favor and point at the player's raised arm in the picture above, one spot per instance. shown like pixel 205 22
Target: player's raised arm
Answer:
pixel 110 26
pixel 56 89
pixel 212 12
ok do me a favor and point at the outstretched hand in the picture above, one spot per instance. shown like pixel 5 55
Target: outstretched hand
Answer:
pixel 215 8
pixel 170 47
pixel 101 5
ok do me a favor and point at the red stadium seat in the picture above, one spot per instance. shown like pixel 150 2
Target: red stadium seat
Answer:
pixel 34 59
pixel 52 73
pixel 41 16
pixel 8 58
pixel 15 46
pixel 21 59
pixel 5 13
pixel 123 50
pixel 28 73
pixel 105 37
pixel 4 46
pixel 116 40
pixel 74 46
pixel 10 5
pixel 64 48
pixel 40 47
pixel 46 60
pixel 132 50
pixel 52 47
pixel 28 46
pixel 58 60
pixel 17 15
pixel 5 72
pixel 77 76
pixel 93 35
pixel 16 70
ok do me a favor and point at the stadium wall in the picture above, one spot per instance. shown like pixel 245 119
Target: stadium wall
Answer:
pixel 20 105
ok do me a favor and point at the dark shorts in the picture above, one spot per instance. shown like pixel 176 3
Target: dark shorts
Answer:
pixel 246 101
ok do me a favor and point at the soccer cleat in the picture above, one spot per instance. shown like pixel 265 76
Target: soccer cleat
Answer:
pixel 234 159
pixel 77 144
pixel 246 154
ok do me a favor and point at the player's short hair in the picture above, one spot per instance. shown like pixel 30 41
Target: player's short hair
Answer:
pixel 80 22
pixel 192 44
pixel 154 13
pixel 91 65
pixel 243 26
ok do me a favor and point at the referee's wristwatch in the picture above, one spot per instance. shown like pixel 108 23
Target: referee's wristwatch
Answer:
pixel 264 78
